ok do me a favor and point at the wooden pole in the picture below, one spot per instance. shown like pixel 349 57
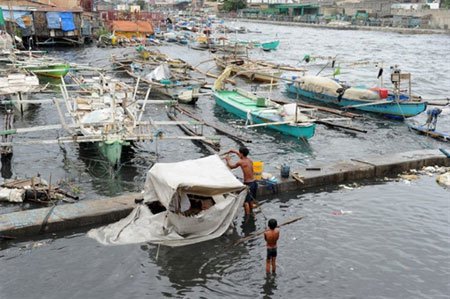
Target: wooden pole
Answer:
pixel 258 233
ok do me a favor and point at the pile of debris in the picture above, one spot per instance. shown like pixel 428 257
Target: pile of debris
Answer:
pixel 35 190
pixel 443 174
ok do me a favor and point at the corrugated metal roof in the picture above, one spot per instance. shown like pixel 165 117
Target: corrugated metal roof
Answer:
pixel 129 26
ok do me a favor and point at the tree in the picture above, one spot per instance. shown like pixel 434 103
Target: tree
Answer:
pixel 141 3
pixel 233 5
pixel 446 4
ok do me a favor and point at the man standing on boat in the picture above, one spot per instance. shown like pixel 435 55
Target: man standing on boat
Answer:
pixel 432 118
pixel 246 166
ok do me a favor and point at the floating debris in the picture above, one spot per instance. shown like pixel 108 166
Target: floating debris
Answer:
pixel 444 179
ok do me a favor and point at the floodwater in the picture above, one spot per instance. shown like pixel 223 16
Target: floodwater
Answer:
pixel 393 243
pixel 383 240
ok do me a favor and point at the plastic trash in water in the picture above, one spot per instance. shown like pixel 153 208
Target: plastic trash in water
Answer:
pixel 341 212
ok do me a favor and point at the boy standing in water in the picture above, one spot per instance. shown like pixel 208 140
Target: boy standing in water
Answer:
pixel 271 236
pixel 247 170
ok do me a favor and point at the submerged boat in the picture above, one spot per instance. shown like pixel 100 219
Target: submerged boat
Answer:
pixel 184 203
pixel 376 100
pixel 287 119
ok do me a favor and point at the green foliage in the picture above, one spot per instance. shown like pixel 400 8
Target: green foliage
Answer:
pixel 141 3
pixel 102 31
pixel 233 5
pixel 446 4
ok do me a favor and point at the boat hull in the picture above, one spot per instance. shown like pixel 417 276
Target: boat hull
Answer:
pixel 305 131
pixel 269 46
pixel 394 109
pixel 111 150
pixel 54 71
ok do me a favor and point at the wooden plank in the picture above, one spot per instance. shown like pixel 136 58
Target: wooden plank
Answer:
pixel 239 139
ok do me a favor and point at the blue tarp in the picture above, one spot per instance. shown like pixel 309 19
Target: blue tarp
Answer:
pixel 67 23
pixel 17 17
pixel 53 20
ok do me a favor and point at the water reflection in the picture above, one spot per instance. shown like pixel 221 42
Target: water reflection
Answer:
pixel 199 264
pixel 6 169
pixel 248 225
pixel 269 286
pixel 107 179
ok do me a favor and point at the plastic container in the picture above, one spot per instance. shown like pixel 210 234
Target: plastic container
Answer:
pixel 285 170
pixel 258 168
pixel 383 92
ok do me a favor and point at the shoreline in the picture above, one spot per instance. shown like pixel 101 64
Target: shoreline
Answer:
pixel 349 27
pixel 88 213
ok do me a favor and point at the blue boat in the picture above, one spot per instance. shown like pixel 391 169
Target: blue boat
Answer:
pixel 379 100
pixel 269 46
pixel 262 112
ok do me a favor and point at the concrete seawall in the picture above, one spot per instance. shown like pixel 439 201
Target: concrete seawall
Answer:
pixel 350 27
pixel 103 211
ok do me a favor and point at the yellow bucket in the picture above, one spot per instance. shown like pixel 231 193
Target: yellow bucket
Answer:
pixel 258 168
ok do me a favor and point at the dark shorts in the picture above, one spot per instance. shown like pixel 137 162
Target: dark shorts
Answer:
pixel 271 252
pixel 251 195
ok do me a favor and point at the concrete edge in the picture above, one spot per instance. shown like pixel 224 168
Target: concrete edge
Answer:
pixel 107 210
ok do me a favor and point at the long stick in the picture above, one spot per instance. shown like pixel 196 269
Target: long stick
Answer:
pixel 220 130
pixel 254 235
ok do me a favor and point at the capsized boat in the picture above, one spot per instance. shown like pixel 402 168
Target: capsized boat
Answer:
pixel 185 203
pixel 287 119
pixel 376 100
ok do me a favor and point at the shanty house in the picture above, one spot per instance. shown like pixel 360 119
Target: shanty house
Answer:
pixel 132 29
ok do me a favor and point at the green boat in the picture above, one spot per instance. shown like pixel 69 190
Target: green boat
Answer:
pixel 269 46
pixel 49 70
pixel 112 150
pixel 262 112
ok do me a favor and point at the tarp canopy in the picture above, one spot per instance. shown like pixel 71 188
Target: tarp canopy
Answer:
pixel 53 20
pixel 207 176
pixel 167 181
pixel 67 23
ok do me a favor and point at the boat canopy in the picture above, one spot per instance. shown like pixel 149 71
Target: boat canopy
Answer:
pixel 177 187
pixel 205 177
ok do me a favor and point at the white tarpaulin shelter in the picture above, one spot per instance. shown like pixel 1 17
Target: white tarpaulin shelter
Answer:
pixel 171 184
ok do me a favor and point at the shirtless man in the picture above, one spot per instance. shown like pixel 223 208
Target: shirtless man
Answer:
pixel 271 236
pixel 246 166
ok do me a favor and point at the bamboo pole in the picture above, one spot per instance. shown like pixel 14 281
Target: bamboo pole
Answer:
pixel 258 233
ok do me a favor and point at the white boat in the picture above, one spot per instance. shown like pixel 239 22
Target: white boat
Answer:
pixel 199 199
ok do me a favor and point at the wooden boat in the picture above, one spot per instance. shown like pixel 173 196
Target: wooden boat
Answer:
pixel 107 109
pixel 431 133
pixel 185 203
pixel 249 69
pixel 287 119
pixel 392 104
pixel 174 85
pixel 53 70
pixel 269 46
